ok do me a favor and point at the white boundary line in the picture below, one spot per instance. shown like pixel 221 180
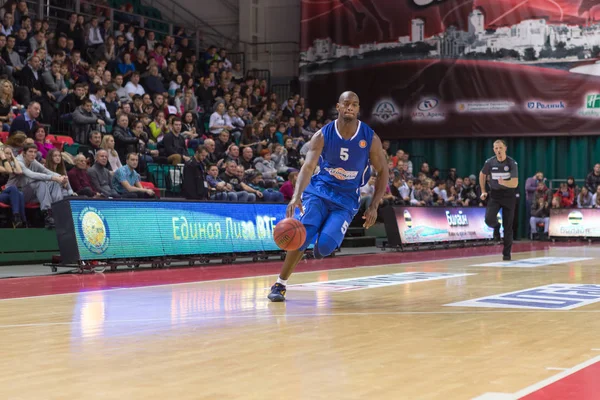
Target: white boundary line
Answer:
pixel 557 377
pixel 541 384
pixel 400 263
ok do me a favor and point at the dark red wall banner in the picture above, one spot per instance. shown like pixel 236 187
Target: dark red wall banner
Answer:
pixel 431 68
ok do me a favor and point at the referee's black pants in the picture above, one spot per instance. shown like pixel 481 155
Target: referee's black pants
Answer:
pixel 507 204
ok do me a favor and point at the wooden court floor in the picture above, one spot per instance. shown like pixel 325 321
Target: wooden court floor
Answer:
pixel 390 335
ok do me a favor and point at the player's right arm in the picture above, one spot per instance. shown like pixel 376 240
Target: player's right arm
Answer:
pixel 315 148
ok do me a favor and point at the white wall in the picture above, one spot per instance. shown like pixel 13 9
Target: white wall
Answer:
pixel 277 24
pixel 273 23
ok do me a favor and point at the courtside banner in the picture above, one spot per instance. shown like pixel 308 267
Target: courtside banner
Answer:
pixel 437 224
pixel 89 229
pixel 440 68
pixel 581 222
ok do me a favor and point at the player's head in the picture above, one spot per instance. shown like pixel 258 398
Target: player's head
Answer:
pixel 348 106
pixel 500 149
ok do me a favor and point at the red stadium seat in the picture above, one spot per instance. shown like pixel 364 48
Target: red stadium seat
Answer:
pixel 3 136
pixel 2 205
pixel 64 139
pixel 51 138
pixel 150 185
pixel 32 205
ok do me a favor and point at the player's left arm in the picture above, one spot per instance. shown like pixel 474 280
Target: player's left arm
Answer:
pixel 513 182
pixel 379 163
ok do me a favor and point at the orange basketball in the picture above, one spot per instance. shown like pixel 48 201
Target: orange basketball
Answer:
pixel 289 234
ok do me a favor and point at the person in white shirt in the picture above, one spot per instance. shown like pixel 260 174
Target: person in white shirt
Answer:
pixel 367 192
pixel 217 120
pixel 94 36
pixel 442 195
pixel 98 105
pixel 133 87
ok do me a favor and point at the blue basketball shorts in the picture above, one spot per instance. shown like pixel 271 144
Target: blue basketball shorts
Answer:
pixel 323 216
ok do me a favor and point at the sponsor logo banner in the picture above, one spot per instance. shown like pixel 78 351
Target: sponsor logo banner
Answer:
pixel 484 106
pixel 534 262
pixel 370 282
pixel 535 106
pixel 583 222
pixel 385 111
pixel 442 224
pixel 560 296
pixel 429 109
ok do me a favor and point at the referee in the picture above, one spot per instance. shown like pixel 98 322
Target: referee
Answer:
pixel 504 182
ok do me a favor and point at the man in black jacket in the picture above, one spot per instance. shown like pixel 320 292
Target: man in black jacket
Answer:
pixel 194 177
pixel 125 141
pixel 174 144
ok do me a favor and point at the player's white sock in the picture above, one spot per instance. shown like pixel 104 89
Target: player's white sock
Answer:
pixel 281 281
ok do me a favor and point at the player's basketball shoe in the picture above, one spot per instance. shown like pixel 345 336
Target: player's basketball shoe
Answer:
pixel 277 293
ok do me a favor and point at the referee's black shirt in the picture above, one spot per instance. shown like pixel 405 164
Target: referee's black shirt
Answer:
pixel 506 170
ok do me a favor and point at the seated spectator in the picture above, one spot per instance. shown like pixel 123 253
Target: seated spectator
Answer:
pixel 7 104
pixel 469 194
pixel 73 100
pixel 571 185
pixel 256 182
pixel 26 122
pixel 127 182
pixel 417 194
pixel 266 167
pixel 287 189
pixel 100 176
pixel 596 198
pixel 541 191
pixel 79 179
pixel 556 202
pixel 440 193
pixel 593 179
pixel 133 87
pixel 217 121
pixel 159 127
pixel 217 188
pixel 540 213
pixel 366 193
pixel 194 176
pixel 125 141
pixel 453 197
pixel 244 193
pixel 41 141
pixel 85 121
pixel 294 161
pixel 222 144
pixel 12 195
pixel 16 142
pixel 566 195
pixel 153 83
pixel 174 144
pixel 280 159
pixel 584 200
pixel 38 183
pixel 95 144
pixel 56 164
pixel 54 83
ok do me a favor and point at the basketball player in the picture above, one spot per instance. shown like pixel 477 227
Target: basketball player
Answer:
pixel 328 197
pixel 503 184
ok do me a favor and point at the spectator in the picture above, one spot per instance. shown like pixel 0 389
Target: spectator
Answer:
pixel 287 189
pixel 38 183
pixel 125 141
pixel 408 163
pixel 417 195
pixel 571 185
pixel 584 200
pixel 85 121
pixel 269 195
pixel 56 164
pixel 79 179
pixel 243 192
pixel 217 121
pixel 100 176
pixel 217 188
pixel 266 166
pixel 541 191
pixel 468 195
pixel 12 195
pixel 133 87
pixel 26 122
pixel 194 176
pixel 127 181
pixel 174 144
pixel 593 179
pixel 596 198
pixel 440 194
pixel 366 193
pixel 556 202
pixel 41 141
pixel 566 195
pixel 55 83
pixel 540 213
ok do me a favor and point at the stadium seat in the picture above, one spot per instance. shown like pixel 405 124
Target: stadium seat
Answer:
pixel 3 136
pixel 32 206
pixel 64 139
pixel 3 205
pixel 150 185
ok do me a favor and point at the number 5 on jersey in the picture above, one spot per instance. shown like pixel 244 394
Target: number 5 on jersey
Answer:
pixel 344 154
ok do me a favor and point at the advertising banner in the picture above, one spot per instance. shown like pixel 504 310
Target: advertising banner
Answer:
pixel 427 68
pixel 113 229
pixel 583 222
pixel 439 224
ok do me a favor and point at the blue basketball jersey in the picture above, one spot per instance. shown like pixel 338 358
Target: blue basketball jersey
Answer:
pixel 343 166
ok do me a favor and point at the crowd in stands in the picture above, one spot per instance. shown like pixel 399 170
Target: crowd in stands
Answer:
pixel 129 100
